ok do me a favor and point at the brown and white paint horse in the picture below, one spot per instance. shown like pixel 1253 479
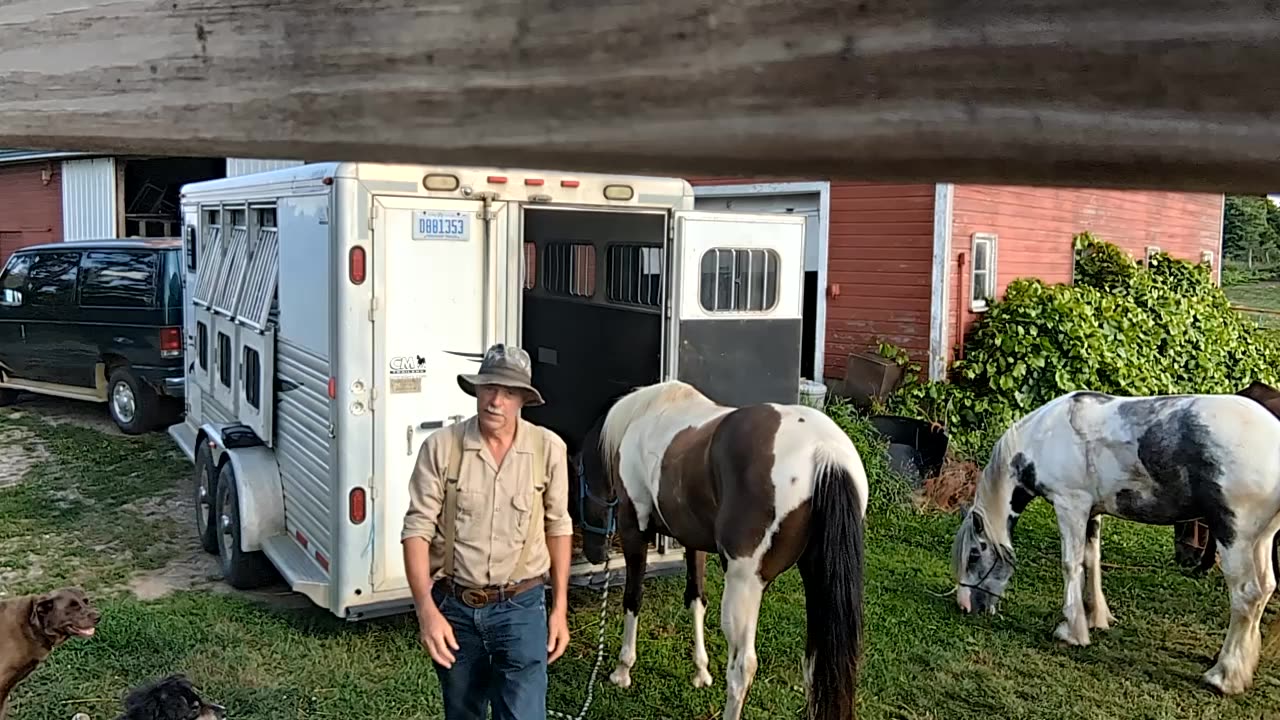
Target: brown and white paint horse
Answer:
pixel 764 487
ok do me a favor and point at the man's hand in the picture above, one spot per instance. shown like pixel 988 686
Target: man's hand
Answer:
pixel 557 633
pixel 436 635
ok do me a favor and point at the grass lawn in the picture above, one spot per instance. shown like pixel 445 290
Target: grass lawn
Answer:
pixel 76 518
pixel 1263 295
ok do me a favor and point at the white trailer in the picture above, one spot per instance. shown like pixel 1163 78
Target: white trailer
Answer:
pixel 331 306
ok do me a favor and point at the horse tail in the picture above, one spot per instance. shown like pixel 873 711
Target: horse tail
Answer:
pixel 831 567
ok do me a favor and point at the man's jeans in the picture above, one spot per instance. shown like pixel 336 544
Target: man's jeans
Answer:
pixel 501 657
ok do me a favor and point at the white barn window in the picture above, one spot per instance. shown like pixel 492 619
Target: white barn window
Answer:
pixel 982 271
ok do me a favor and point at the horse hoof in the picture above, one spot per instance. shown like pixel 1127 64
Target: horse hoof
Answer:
pixel 1102 623
pixel 702 679
pixel 1063 633
pixel 621 677
pixel 1216 677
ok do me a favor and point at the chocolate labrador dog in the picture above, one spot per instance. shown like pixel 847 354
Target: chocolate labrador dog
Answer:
pixel 31 626
pixel 172 698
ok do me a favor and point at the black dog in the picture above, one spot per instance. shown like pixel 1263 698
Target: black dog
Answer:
pixel 172 698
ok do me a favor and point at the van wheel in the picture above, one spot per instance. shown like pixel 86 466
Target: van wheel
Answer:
pixel 242 570
pixel 205 479
pixel 131 402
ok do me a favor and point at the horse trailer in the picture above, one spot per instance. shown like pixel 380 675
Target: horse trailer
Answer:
pixel 330 307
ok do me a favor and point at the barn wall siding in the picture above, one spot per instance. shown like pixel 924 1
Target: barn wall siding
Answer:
pixel 30 210
pixel 879 259
pixel 1034 227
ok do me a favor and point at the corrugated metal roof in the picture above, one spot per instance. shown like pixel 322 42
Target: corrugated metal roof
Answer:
pixel 14 155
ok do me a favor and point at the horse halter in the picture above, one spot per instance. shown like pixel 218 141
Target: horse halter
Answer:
pixel 610 506
pixel 985 575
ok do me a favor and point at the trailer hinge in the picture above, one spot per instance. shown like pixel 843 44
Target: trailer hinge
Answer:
pixel 373 307
pixel 332 433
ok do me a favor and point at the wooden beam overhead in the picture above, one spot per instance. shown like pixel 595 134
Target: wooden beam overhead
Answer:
pixel 1179 94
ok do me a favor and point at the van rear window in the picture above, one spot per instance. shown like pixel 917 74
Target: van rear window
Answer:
pixel 118 279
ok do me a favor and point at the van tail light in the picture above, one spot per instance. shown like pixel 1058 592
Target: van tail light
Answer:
pixel 355 265
pixel 356 508
pixel 170 342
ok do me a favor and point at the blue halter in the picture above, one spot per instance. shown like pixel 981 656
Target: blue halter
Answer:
pixel 584 493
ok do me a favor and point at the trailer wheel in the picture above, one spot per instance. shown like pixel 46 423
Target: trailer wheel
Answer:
pixel 205 478
pixel 242 570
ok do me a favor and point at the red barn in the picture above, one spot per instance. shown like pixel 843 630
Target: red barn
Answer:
pixel 911 264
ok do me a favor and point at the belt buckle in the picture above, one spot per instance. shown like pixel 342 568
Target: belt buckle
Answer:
pixel 474 598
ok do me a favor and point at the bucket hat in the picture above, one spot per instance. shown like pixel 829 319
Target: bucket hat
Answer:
pixel 505 365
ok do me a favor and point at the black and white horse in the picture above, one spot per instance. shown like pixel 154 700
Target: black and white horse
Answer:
pixel 764 487
pixel 1155 460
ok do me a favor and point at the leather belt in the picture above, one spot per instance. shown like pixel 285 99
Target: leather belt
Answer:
pixel 478 598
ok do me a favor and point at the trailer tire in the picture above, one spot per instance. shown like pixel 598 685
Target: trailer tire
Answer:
pixel 242 570
pixel 205 478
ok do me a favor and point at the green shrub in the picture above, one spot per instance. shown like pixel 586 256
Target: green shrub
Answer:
pixel 1121 328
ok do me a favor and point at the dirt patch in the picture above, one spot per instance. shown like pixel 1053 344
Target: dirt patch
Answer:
pixel 58 411
pixel 189 567
pixel 20 450
pixel 951 488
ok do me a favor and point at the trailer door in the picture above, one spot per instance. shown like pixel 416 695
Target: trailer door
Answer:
pixel 432 320
pixel 738 287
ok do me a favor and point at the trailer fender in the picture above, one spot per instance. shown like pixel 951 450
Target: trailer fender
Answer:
pixel 259 487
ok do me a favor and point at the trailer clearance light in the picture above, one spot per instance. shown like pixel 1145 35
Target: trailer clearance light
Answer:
pixel 333 388
pixel 497 179
pixel 355 265
pixel 569 183
pixel 618 192
pixel 170 342
pixel 441 183
pixel 356 506
pixel 533 181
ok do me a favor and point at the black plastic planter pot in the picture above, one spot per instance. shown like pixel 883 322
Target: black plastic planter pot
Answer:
pixel 916 448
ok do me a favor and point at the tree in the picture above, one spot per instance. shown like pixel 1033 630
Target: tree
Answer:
pixel 1251 227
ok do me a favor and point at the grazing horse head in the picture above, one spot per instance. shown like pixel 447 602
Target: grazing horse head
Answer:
pixel 982 567
pixel 593 497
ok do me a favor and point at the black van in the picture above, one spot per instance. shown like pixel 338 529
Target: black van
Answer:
pixel 96 320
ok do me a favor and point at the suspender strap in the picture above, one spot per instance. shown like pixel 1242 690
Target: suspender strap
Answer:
pixel 449 520
pixel 539 487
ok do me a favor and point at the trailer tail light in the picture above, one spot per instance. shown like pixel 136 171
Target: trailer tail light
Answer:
pixel 170 342
pixel 619 192
pixel 355 265
pixel 356 506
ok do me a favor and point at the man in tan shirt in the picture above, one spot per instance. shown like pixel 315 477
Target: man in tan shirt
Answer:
pixel 488 519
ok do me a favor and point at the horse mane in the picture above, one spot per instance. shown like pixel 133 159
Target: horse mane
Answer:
pixel 993 487
pixel 640 401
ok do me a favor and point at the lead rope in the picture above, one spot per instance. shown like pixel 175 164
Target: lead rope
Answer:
pixel 591 684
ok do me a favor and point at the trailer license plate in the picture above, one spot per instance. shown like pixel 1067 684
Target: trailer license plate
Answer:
pixel 436 225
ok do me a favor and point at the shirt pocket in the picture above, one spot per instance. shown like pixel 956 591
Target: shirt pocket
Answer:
pixel 529 491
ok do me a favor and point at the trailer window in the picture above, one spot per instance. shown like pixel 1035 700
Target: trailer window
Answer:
pixel 252 378
pixel 569 269
pixel 202 344
pixel 232 271
pixel 530 265
pixel 635 274
pixel 259 277
pixel 739 280
pixel 224 359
